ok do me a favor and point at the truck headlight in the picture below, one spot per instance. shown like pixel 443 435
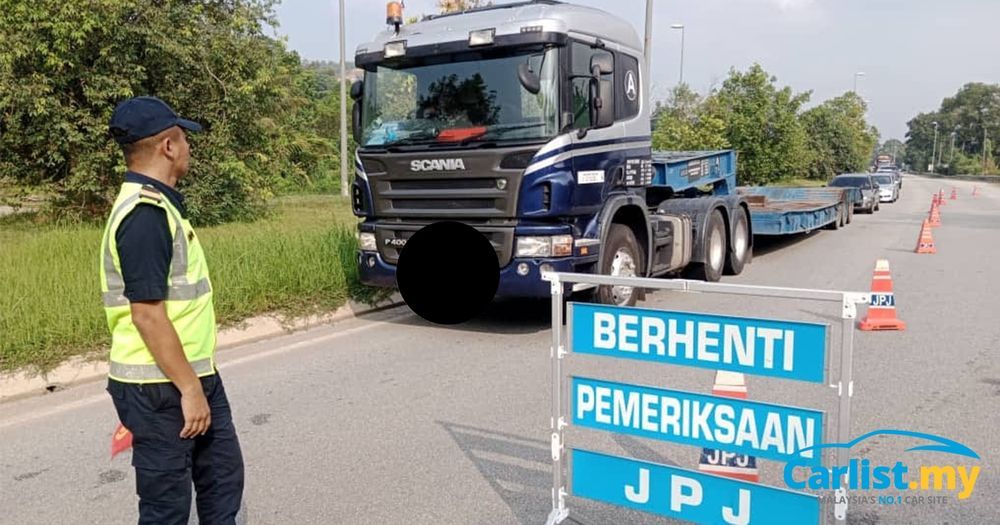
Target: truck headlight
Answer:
pixel 366 241
pixel 547 246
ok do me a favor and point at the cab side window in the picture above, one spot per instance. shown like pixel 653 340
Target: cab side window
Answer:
pixel 580 82
pixel 627 87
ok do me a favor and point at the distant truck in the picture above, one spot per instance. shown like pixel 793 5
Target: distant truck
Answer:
pixel 530 122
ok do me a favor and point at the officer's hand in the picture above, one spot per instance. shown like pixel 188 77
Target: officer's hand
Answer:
pixel 197 415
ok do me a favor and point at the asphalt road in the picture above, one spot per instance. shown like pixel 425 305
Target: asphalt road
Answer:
pixel 390 420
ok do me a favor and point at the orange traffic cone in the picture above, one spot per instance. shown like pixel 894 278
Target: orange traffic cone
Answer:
pixel 738 466
pixel 975 191
pixel 934 219
pixel 954 194
pixel 882 308
pixel 925 244
pixel 940 197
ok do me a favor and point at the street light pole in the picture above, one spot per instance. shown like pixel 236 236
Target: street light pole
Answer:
pixel 856 75
pixel 648 41
pixel 681 27
pixel 934 149
pixel 951 155
pixel 343 107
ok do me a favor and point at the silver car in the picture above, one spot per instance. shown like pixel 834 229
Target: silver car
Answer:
pixel 868 201
pixel 888 187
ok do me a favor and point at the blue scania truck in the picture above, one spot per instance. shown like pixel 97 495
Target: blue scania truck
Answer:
pixel 530 122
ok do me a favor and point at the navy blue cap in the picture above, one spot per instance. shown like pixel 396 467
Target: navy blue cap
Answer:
pixel 141 117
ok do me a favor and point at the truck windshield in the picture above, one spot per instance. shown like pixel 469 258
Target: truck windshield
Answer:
pixel 460 98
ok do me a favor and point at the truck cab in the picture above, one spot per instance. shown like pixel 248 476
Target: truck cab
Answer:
pixel 531 123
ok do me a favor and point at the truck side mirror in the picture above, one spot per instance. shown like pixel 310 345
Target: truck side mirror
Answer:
pixel 602 107
pixel 529 79
pixel 357 89
pixel 601 64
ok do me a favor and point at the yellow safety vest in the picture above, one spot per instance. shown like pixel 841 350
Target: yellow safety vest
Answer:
pixel 189 297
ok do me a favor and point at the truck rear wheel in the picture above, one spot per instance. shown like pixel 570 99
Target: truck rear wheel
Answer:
pixel 713 251
pixel 740 250
pixel 838 223
pixel 623 258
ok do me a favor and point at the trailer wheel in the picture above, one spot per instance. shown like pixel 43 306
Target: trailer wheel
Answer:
pixel 850 212
pixel 624 259
pixel 839 222
pixel 742 250
pixel 713 251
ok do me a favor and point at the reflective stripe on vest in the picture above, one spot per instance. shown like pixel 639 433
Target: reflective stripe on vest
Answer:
pixel 179 290
pixel 152 372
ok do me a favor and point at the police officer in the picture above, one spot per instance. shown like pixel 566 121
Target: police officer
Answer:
pixel 158 300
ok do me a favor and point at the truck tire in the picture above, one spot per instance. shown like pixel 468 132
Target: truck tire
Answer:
pixel 839 221
pixel 850 212
pixel 624 259
pixel 713 251
pixel 742 250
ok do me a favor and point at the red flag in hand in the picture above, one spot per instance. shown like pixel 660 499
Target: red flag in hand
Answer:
pixel 121 441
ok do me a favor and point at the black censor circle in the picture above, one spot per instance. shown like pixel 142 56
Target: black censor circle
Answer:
pixel 447 272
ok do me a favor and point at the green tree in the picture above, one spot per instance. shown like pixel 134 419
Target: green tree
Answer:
pixel 762 124
pixel 64 66
pixel 687 122
pixel 973 115
pixel 840 139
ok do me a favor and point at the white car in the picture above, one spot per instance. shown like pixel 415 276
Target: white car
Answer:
pixel 888 188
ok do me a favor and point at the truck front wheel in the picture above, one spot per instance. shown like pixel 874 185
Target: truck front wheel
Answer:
pixel 623 258
pixel 741 250
pixel 713 252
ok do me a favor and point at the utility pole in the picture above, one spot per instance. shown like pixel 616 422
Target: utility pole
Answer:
pixel 951 155
pixel 982 120
pixel 681 27
pixel 343 106
pixel 647 45
pixel 934 149
pixel 856 75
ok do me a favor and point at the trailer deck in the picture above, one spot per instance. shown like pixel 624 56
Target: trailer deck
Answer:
pixel 783 211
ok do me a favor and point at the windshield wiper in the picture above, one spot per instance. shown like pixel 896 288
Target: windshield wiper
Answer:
pixel 423 136
pixel 500 131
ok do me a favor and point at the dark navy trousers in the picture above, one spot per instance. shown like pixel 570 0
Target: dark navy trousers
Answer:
pixel 166 465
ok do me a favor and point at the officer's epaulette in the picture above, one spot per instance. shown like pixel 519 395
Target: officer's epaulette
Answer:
pixel 150 193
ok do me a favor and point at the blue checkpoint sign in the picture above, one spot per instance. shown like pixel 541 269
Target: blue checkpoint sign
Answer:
pixel 685 494
pixel 757 429
pixel 784 349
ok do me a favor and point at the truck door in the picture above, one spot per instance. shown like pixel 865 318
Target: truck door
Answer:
pixel 606 158
pixel 594 160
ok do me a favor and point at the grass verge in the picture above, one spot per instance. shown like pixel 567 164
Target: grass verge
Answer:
pixel 300 260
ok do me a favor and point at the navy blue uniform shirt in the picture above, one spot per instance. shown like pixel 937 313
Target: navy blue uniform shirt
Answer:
pixel 145 244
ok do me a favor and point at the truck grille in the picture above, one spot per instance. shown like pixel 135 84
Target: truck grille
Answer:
pixel 459 198
pixel 486 189
pixel 391 239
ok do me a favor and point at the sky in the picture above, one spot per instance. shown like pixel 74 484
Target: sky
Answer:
pixel 914 53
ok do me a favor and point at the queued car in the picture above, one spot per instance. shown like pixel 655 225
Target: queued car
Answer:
pixel 888 187
pixel 868 202
pixel 896 173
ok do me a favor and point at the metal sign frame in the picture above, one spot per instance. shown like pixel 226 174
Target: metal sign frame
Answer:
pixel 844 385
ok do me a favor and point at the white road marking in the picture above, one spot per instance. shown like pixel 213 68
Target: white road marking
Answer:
pixel 97 398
